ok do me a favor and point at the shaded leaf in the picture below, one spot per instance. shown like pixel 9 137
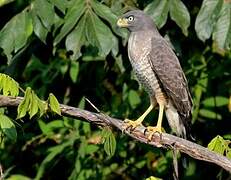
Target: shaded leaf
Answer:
pixel 74 71
pixel 8 127
pixel 109 142
pixel 15 33
pixel 133 98
pixel 179 13
pixel 18 177
pixel 210 114
pixel 207 18
pixel 74 13
pixel 75 39
pixel 222 29
pixel 158 10
pixel 45 11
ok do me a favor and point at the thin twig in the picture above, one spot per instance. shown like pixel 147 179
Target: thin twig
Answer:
pixel 164 140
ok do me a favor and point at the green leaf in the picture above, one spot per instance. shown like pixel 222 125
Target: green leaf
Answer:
pixel 60 4
pixel 33 108
pixel 39 29
pixel 207 18
pixel 99 35
pixel 73 15
pixel 4 2
pixel 217 145
pixel 217 101
pixel 74 71
pixel 8 127
pixel 75 40
pixel 153 178
pixel 91 148
pixel 54 151
pixel 158 10
pixel 54 104
pixel 45 11
pixel 109 142
pixel 15 33
pixel 18 177
pixel 25 104
pixel 179 13
pixel 133 98
pixel 106 13
pixel 222 29
pixel 210 114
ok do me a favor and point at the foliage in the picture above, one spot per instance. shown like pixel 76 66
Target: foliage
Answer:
pixel 61 51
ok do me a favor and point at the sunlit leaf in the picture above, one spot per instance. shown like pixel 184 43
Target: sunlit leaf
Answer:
pixel 179 13
pixel 216 101
pixel 158 10
pixel 25 104
pixel 8 127
pixel 18 177
pixel 217 144
pixel 4 2
pixel 54 104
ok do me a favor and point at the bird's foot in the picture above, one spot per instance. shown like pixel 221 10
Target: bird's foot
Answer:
pixel 132 125
pixel 151 130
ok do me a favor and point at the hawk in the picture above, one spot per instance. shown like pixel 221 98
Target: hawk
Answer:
pixel 158 70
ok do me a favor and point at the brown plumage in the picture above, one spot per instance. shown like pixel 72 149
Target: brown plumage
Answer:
pixel 158 70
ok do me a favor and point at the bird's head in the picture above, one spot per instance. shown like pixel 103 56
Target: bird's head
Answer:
pixel 135 20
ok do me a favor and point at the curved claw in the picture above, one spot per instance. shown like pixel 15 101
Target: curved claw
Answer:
pixel 132 125
pixel 152 130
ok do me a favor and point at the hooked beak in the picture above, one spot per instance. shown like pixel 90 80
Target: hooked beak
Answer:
pixel 122 22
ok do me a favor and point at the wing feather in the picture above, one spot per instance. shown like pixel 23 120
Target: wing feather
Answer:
pixel 167 68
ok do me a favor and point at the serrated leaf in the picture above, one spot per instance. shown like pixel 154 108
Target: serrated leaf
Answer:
pixel 217 101
pixel 54 104
pixel 133 98
pixel 8 127
pixel 210 114
pixel 74 71
pixel 109 142
pixel 24 105
pixel 179 13
pixel 74 13
pixel 207 18
pixel 222 30
pixel 15 34
pixel 158 10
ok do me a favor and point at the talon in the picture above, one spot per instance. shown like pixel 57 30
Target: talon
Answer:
pixel 152 130
pixel 131 125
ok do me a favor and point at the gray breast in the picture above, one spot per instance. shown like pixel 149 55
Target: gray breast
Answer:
pixel 139 47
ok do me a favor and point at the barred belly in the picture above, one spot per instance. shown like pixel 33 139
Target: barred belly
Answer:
pixel 146 77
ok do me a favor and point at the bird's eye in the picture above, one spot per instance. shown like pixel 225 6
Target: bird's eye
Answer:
pixel 130 18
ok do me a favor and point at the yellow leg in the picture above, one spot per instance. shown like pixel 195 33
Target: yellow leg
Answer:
pixel 156 128
pixel 133 124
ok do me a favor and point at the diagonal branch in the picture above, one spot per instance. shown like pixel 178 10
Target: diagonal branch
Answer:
pixel 164 140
